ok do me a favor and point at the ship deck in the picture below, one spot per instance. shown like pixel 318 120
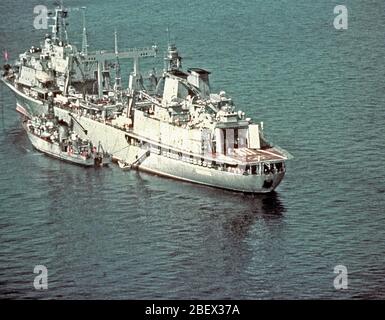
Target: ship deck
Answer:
pixel 246 155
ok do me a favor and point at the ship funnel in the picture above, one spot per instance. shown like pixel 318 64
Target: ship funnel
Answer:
pixel 200 79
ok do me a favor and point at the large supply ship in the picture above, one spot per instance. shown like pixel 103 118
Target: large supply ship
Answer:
pixel 169 124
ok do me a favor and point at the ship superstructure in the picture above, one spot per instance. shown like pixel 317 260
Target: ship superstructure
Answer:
pixel 173 126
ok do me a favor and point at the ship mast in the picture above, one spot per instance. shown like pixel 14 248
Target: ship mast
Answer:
pixel 59 27
pixel 172 59
pixel 84 40
pixel 118 80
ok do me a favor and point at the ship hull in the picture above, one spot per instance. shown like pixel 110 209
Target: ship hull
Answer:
pixel 53 150
pixel 25 105
pixel 214 178
pixel 115 142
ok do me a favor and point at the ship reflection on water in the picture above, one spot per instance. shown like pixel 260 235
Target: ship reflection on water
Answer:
pixel 265 207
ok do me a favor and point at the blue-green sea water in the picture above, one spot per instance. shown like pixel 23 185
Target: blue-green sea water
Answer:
pixel 110 234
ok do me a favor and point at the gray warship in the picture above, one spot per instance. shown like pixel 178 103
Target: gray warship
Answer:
pixel 169 124
pixel 56 140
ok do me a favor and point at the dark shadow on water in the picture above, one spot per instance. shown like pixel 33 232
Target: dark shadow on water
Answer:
pixel 268 209
pixel 211 201
pixel 15 135
pixel 236 212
